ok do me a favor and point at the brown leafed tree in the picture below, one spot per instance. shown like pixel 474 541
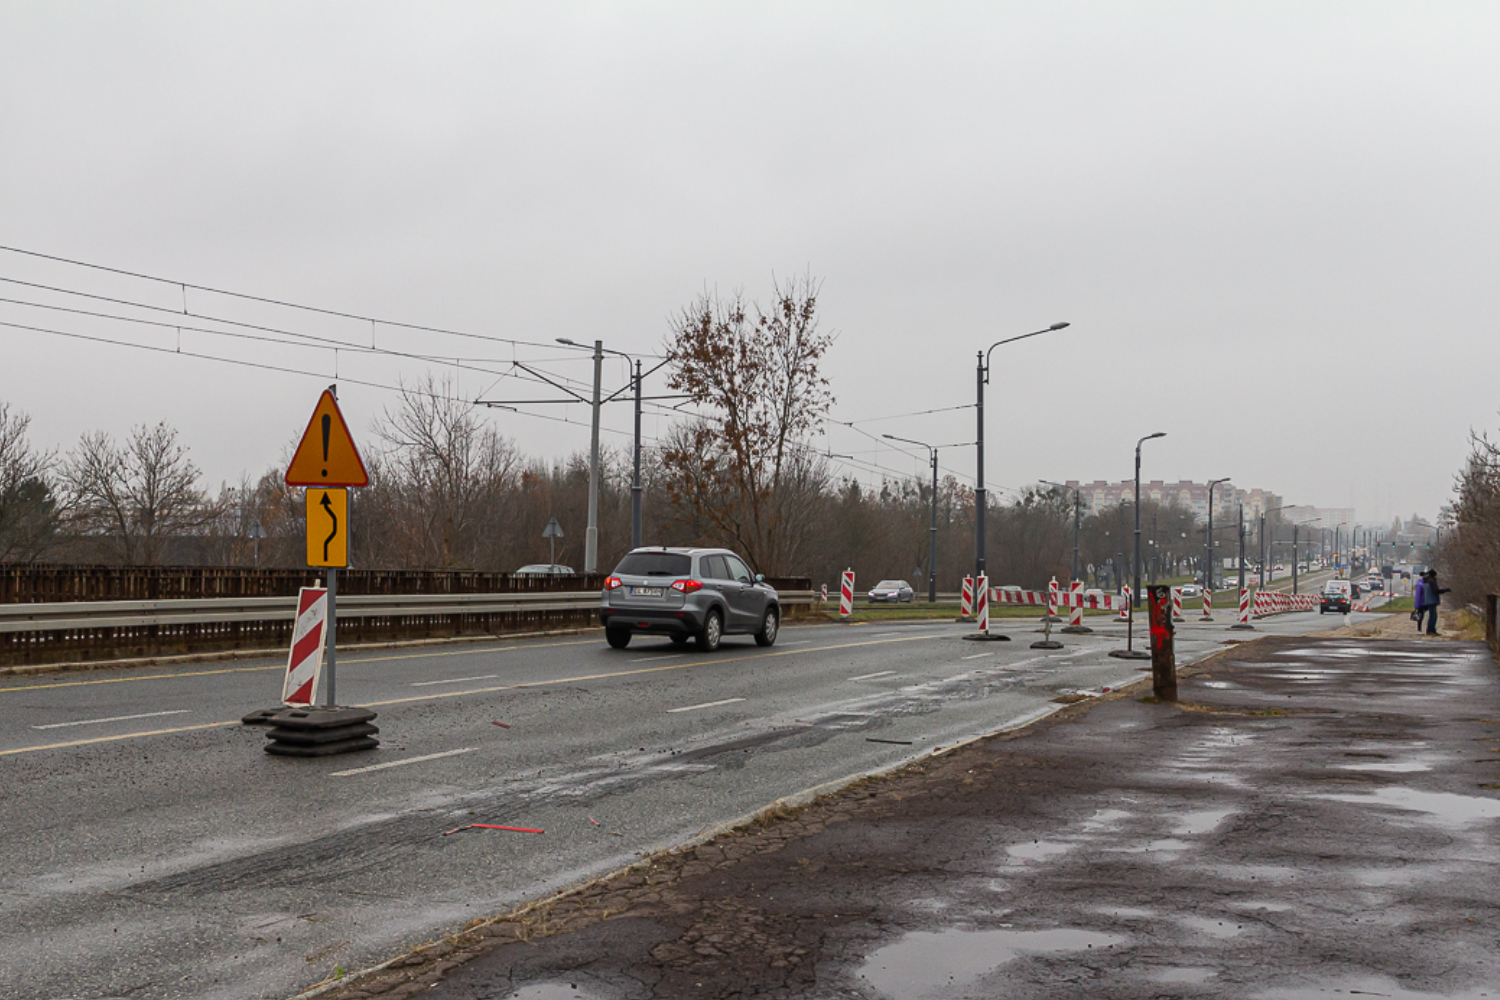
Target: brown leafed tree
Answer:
pixel 745 468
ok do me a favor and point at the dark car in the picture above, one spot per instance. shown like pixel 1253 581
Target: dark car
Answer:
pixel 702 594
pixel 1336 597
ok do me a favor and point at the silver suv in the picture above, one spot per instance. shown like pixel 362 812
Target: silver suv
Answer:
pixel 702 594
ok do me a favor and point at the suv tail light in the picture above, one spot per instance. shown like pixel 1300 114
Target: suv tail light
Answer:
pixel 686 586
pixel 613 583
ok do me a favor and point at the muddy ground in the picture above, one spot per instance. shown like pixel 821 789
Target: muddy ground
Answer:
pixel 1318 817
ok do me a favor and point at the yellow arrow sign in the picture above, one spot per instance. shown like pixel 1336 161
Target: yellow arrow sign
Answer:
pixel 327 527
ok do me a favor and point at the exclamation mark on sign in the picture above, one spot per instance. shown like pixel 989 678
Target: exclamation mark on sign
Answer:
pixel 327 430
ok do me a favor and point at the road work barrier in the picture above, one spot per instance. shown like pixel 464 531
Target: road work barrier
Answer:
pixel 1125 608
pixel 1176 604
pixel 74 631
pixel 1243 620
pixel 1073 599
pixel 1075 624
pixel 1208 605
pixel 966 599
pixel 846 594
pixel 1266 604
pixel 1052 600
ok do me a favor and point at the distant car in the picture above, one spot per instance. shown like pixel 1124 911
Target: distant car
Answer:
pixel 1338 595
pixel 1191 590
pixel 1374 583
pixel 544 569
pixel 702 594
pixel 1277 568
pixel 1355 589
pixel 892 592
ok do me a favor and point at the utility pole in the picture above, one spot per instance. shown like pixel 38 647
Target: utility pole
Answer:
pixel 932 453
pixel 1208 565
pixel 635 484
pixel 591 537
pixel 1242 547
pixel 1135 593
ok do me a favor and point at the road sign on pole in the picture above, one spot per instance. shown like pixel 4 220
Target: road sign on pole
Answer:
pixel 326 456
pixel 552 532
pixel 328 527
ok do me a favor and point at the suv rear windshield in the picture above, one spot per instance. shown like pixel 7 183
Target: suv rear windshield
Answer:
pixel 654 564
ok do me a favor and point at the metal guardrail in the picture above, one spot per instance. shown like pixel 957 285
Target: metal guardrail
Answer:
pixel 103 630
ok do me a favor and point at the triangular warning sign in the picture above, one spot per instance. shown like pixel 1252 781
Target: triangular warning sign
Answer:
pixel 327 456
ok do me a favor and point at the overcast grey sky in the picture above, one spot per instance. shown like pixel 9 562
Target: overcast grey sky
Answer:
pixel 1273 226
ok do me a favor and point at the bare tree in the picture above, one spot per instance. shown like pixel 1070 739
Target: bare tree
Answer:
pixel 441 475
pixel 28 508
pixel 136 497
pixel 745 468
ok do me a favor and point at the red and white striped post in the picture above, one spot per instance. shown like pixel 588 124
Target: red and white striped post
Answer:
pixel 982 602
pixel 1075 624
pixel 1052 600
pixel 304 664
pixel 1244 617
pixel 966 599
pixel 1208 605
pixel 1177 604
pixel 1125 608
pixel 846 594
pixel 823 596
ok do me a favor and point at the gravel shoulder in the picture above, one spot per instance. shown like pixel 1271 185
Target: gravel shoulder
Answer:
pixel 1317 814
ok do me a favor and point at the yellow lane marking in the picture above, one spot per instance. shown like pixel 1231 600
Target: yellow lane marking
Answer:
pixel 243 670
pixel 111 739
pixel 723 661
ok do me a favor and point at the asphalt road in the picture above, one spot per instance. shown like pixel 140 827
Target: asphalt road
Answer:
pixel 151 849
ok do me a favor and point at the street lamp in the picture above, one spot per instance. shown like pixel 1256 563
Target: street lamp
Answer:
pixel 1135 593
pixel 982 376
pixel 932 532
pixel 1265 564
pixel 1208 564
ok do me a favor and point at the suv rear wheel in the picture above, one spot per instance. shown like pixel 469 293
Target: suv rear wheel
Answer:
pixel 713 631
pixel 768 629
pixel 618 638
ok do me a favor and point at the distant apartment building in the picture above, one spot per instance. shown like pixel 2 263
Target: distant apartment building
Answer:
pixel 1194 496
pixel 1324 517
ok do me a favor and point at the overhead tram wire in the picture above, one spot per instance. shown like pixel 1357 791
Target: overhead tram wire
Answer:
pixel 323 343
pixel 270 301
pixel 282 369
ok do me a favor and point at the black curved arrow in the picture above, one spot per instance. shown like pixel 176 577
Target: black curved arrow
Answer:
pixel 327 505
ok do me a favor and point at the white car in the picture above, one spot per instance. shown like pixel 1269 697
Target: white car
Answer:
pixel 1191 590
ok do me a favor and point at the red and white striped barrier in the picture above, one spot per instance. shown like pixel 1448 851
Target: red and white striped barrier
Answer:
pixel 982 598
pixel 966 598
pixel 1208 605
pixel 1052 598
pixel 1244 617
pixel 1177 604
pixel 1125 609
pixel 1072 599
pixel 1279 604
pixel 1075 617
pixel 823 597
pixel 846 594
pixel 304 664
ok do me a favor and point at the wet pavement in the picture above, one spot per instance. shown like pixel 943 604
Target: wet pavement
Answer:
pixel 1319 817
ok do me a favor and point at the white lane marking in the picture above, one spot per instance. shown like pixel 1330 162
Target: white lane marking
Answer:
pixel 113 718
pixel 455 680
pixel 877 635
pixel 865 677
pixel 706 704
pixel 799 642
pixel 975 656
pixel 400 763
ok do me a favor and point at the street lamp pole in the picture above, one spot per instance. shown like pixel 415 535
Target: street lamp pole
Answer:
pixel 932 531
pixel 981 376
pixel 1208 562
pixel 1135 593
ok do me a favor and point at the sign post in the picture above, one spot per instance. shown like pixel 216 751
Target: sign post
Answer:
pixel 552 532
pixel 326 464
pixel 326 460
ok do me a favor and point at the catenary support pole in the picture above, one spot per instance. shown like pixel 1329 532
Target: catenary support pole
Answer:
pixel 591 537
pixel 635 483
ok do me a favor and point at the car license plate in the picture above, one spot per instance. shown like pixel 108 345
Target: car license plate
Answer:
pixel 645 591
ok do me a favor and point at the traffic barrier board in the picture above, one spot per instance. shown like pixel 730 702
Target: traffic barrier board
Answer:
pixel 305 661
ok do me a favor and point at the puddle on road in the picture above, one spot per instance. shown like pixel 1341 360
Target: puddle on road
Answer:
pixel 1213 928
pixel 1187 974
pixel 1167 845
pixel 1123 912
pixel 1447 806
pixel 1394 767
pixel 924 963
pixel 1038 850
pixel 1380 987
pixel 552 991
pixel 1195 824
